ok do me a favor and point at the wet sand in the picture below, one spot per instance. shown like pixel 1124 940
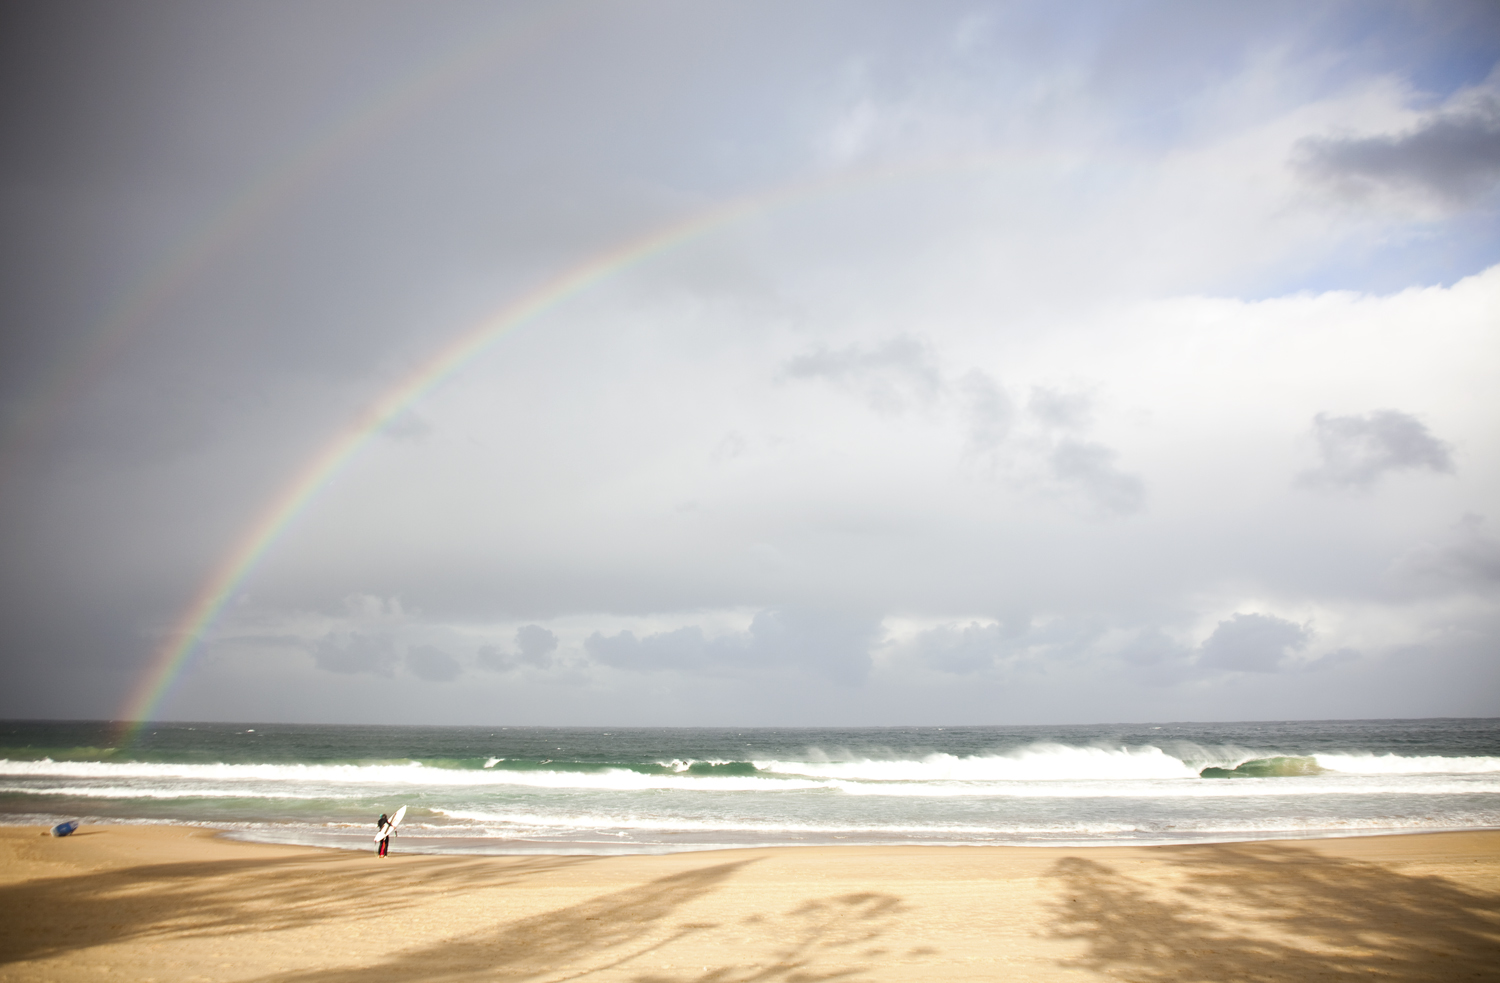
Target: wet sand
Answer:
pixel 179 904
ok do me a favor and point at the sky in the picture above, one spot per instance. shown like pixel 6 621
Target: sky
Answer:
pixel 749 364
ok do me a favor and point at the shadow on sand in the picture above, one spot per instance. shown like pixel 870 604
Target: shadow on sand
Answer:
pixel 614 933
pixel 51 916
pixel 617 934
pixel 1248 912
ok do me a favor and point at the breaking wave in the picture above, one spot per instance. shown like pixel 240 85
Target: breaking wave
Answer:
pixel 944 774
pixel 1395 764
pixel 1279 767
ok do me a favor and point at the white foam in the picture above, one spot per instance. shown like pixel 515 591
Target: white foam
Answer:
pixel 1237 788
pixel 412 774
pixel 511 825
pixel 1395 764
pixel 597 822
pixel 138 791
pixel 1038 771
pixel 1037 763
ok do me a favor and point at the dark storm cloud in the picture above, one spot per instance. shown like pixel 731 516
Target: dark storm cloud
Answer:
pixel 1453 156
pixel 1253 643
pixel 833 646
pixel 432 664
pixel 1358 450
pixel 356 652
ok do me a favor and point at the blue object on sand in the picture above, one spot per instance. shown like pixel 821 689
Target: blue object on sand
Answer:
pixel 63 829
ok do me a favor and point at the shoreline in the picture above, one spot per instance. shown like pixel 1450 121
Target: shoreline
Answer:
pixel 174 902
pixel 541 849
pixel 454 846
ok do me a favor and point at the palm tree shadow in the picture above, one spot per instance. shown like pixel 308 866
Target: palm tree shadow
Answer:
pixel 1247 911
pixel 824 939
pixel 596 935
pixel 819 941
pixel 47 917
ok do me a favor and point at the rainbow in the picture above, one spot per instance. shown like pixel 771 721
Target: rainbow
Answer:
pixel 251 204
pixel 295 497
pixel 193 625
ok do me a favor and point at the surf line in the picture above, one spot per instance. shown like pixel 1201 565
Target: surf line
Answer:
pixel 221 586
pixel 253 202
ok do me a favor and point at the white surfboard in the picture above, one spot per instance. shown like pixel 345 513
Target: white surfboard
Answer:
pixel 390 827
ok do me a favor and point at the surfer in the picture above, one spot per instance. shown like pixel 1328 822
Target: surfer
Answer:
pixel 382 825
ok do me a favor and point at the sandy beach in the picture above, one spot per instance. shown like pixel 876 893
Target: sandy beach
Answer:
pixel 176 903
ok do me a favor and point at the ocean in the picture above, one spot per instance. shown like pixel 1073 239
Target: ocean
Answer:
pixel 514 790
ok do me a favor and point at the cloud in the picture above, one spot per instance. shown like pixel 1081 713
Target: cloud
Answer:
pixel 832 646
pixel 1158 659
pixel 1451 156
pixel 891 376
pixel 988 417
pixel 988 408
pixel 977 647
pixel 1089 467
pixel 971 648
pixel 495 659
pixel 1358 450
pixel 1328 660
pixel 1465 560
pixel 1061 285
pixel 1154 648
pixel 1147 655
pixel 684 649
pixel 1061 410
pixel 432 664
pixel 406 425
pixel 536 645
pixel 356 652
pixel 1253 643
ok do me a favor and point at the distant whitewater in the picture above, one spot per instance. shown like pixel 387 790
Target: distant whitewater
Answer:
pixel 657 790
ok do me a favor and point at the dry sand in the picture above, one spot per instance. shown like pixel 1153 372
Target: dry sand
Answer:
pixel 171 903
